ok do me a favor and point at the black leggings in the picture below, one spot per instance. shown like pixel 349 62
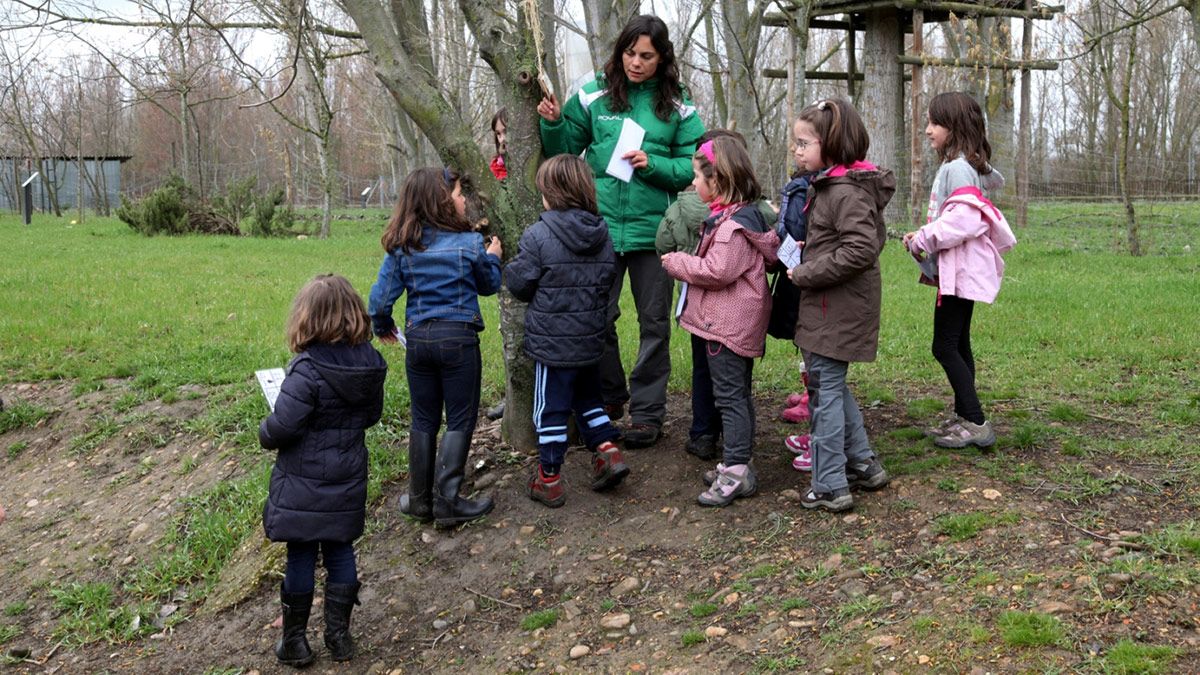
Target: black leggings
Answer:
pixel 952 349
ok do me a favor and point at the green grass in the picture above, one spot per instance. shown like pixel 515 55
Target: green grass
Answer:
pixel 543 619
pixel 1130 658
pixel 1030 629
pixel 89 615
pixel 16 448
pixel 8 632
pixel 966 525
pixel 691 638
pixel 15 608
pixel 700 610
pixel 1067 337
pixel 19 414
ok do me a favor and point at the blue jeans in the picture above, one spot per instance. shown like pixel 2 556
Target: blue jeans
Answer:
pixel 444 369
pixel 838 433
pixel 302 564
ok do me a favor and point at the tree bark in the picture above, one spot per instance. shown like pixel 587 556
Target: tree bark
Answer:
pixel 880 101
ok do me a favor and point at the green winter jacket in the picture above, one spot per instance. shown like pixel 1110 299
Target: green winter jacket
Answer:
pixel 634 209
pixel 680 226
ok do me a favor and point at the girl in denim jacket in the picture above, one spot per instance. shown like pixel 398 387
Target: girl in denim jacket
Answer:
pixel 435 257
pixel 962 241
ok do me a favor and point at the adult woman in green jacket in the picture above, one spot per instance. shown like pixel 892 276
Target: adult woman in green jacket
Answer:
pixel 641 83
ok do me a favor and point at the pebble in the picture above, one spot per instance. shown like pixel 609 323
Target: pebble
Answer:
pixel 440 624
pixel 884 641
pixel 561 551
pixel 715 632
pixel 854 589
pixel 627 585
pixel 732 598
pixel 485 481
pixel 923 659
pixel 790 495
pixel 991 495
pixel 851 519
pixel 580 651
pixel 139 530
pixel 469 607
pixel 427 537
pixel 833 562
pixel 615 621
pixel 526 530
pixel 1055 607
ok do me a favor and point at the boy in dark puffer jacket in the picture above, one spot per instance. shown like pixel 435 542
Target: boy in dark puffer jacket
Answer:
pixel 332 394
pixel 564 270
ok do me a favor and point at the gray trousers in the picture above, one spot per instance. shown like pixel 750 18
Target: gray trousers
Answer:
pixel 839 435
pixel 647 389
pixel 731 376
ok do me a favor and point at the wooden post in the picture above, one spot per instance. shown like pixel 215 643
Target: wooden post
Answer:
pixel 1023 132
pixel 915 203
pixel 851 59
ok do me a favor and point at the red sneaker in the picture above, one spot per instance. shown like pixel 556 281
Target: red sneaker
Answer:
pixel 608 467
pixel 548 491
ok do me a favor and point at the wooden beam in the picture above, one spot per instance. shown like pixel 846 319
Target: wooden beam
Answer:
pixel 1003 64
pixel 781 74
pixel 915 204
pixel 958 8
pixel 777 20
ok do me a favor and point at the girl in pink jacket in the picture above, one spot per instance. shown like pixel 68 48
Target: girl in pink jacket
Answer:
pixel 725 301
pixel 959 251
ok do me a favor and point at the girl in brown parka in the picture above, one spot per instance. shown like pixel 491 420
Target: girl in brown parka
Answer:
pixel 840 286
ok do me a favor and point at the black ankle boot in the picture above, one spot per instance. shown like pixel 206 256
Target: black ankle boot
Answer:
pixel 418 503
pixel 340 600
pixel 450 510
pixel 292 649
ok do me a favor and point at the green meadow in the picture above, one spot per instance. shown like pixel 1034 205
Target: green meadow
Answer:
pixel 1078 322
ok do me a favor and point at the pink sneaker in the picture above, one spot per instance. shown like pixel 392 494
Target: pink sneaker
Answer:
pixel 801 446
pixel 797 443
pixel 796 414
pixel 794 400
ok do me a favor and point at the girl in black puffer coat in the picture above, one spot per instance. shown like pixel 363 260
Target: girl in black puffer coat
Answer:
pixel 332 393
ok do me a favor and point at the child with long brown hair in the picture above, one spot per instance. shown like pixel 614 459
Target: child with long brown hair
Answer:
pixel 960 246
pixel 726 302
pixel 332 393
pixel 435 256
pixel 840 292
pixel 565 270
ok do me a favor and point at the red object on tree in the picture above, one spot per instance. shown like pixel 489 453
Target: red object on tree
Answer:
pixel 498 169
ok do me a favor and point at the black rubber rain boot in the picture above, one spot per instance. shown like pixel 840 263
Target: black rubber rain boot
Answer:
pixel 449 509
pixel 292 649
pixel 340 600
pixel 418 503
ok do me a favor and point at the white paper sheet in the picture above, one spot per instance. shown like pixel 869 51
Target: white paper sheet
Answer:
pixel 683 286
pixel 631 137
pixel 399 334
pixel 789 252
pixel 270 380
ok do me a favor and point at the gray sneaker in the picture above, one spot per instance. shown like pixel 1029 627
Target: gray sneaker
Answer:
pixel 963 433
pixel 838 500
pixel 730 483
pixel 868 475
pixel 942 427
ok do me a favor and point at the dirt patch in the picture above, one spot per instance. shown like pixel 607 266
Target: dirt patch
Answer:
pixel 919 575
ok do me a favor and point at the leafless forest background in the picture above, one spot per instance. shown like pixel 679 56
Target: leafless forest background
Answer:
pixel 189 90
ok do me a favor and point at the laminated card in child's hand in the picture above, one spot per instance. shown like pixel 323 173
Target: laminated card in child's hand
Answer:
pixel 270 380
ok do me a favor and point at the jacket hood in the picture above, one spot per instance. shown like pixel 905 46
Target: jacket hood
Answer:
pixel 581 232
pixel 879 183
pixel 759 233
pixel 991 181
pixel 356 373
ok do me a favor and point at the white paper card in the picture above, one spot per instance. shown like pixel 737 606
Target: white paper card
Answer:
pixel 789 252
pixel 399 335
pixel 683 286
pixel 631 137
pixel 270 380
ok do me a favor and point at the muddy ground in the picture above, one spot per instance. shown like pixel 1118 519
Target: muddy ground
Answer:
pixel 639 580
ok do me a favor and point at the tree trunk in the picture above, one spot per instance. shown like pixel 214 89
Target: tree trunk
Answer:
pixel 715 70
pixel 397 37
pixel 999 105
pixel 1131 224
pixel 604 20
pixel 880 101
